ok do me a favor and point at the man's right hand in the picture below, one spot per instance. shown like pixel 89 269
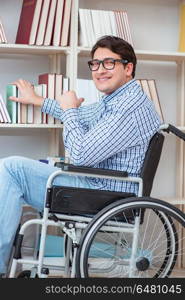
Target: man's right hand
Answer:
pixel 27 93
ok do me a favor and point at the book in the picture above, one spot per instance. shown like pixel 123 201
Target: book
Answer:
pixel 49 80
pixel 155 97
pixel 66 23
pixel 44 95
pixel 2 33
pixel 150 89
pixel 181 47
pixel 58 23
pixel 50 23
pixel 42 23
pixel 12 106
pixel 4 111
pixel 145 86
pixel 35 22
pixel 23 110
pixel 82 24
pixel 37 110
pixel 25 21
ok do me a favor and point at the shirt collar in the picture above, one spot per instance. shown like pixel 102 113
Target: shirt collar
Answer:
pixel 119 91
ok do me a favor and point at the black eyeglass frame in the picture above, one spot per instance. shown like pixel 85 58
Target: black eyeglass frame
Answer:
pixel 123 61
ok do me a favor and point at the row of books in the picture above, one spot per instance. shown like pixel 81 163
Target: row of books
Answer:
pixel 52 86
pixel 44 22
pixel 3 39
pixel 49 86
pixel 102 22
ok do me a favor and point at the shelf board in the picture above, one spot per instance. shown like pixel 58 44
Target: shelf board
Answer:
pixel 29 49
pixel 44 126
pixel 147 55
pixel 173 200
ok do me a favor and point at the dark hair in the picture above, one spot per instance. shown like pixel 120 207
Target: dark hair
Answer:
pixel 119 46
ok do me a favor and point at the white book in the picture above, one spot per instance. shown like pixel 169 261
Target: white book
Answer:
pixel 96 23
pixel 58 85
pixel 58 23
pixel 129 36
pixel 83 30
pixel 1 118
pixel 66 23
pixel 19 112
pixel 42 23
pixel 87 27
pixel 87 90
pixel 112 22
pixel 37 109
pixel 58 90
pixel 4 110
pixel 118 25
pixel 35 22
pixel 50 23
pixel 65 84
pixel 91 32
pixel 30 114
pixel 44 95
pixel 3 36
pixel 106 21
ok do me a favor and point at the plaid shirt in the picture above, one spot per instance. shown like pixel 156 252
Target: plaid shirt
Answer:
pixel 113 133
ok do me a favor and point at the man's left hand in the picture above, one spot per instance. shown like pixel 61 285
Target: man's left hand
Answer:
pixel 69 100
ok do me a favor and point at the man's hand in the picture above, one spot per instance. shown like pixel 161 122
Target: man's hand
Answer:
pixel 69 100
pixel 27 93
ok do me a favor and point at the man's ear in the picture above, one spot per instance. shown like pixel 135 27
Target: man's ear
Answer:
pixel 129 68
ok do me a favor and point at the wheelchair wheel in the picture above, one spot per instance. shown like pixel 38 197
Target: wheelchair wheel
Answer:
pixel 134 237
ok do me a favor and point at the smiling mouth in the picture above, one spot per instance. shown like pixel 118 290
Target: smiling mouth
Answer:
pixel 103 79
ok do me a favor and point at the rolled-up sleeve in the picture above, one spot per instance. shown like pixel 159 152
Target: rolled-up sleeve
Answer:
pixel 52 107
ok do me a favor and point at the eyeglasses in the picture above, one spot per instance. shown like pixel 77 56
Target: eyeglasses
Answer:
pixel 108 63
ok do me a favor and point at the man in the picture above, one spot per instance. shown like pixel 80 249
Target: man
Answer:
pixel 113 133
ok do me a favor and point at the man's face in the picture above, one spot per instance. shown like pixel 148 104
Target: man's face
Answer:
pixel 108 81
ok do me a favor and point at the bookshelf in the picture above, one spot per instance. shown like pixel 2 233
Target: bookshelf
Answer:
pixel 155 39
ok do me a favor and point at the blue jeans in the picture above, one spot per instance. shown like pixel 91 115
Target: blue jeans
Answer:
pixel 24 180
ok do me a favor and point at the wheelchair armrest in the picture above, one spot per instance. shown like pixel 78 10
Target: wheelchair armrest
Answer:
pixel 89 170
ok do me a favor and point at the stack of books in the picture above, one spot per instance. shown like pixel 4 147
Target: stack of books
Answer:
pixel 100 23
pixel 44 22
pixel 3 39
pixel 49 86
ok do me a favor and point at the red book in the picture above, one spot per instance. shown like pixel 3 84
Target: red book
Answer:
pixel 25 21
pixel 49 80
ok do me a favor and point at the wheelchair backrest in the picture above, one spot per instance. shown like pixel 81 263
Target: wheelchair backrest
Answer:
pixel 151 161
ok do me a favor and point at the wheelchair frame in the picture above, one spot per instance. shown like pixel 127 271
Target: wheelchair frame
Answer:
pixel 79 229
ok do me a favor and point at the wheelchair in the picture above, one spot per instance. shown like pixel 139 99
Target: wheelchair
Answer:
pixel 106 233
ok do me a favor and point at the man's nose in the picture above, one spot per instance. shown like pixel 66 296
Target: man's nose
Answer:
pixel 101 68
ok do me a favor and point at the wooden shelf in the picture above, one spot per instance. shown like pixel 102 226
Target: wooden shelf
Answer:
pixel 44 126
pixel 147 55
pixel 174 200
pixel 28 49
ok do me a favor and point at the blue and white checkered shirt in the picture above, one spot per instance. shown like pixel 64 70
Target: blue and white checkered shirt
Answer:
pixel 113 133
